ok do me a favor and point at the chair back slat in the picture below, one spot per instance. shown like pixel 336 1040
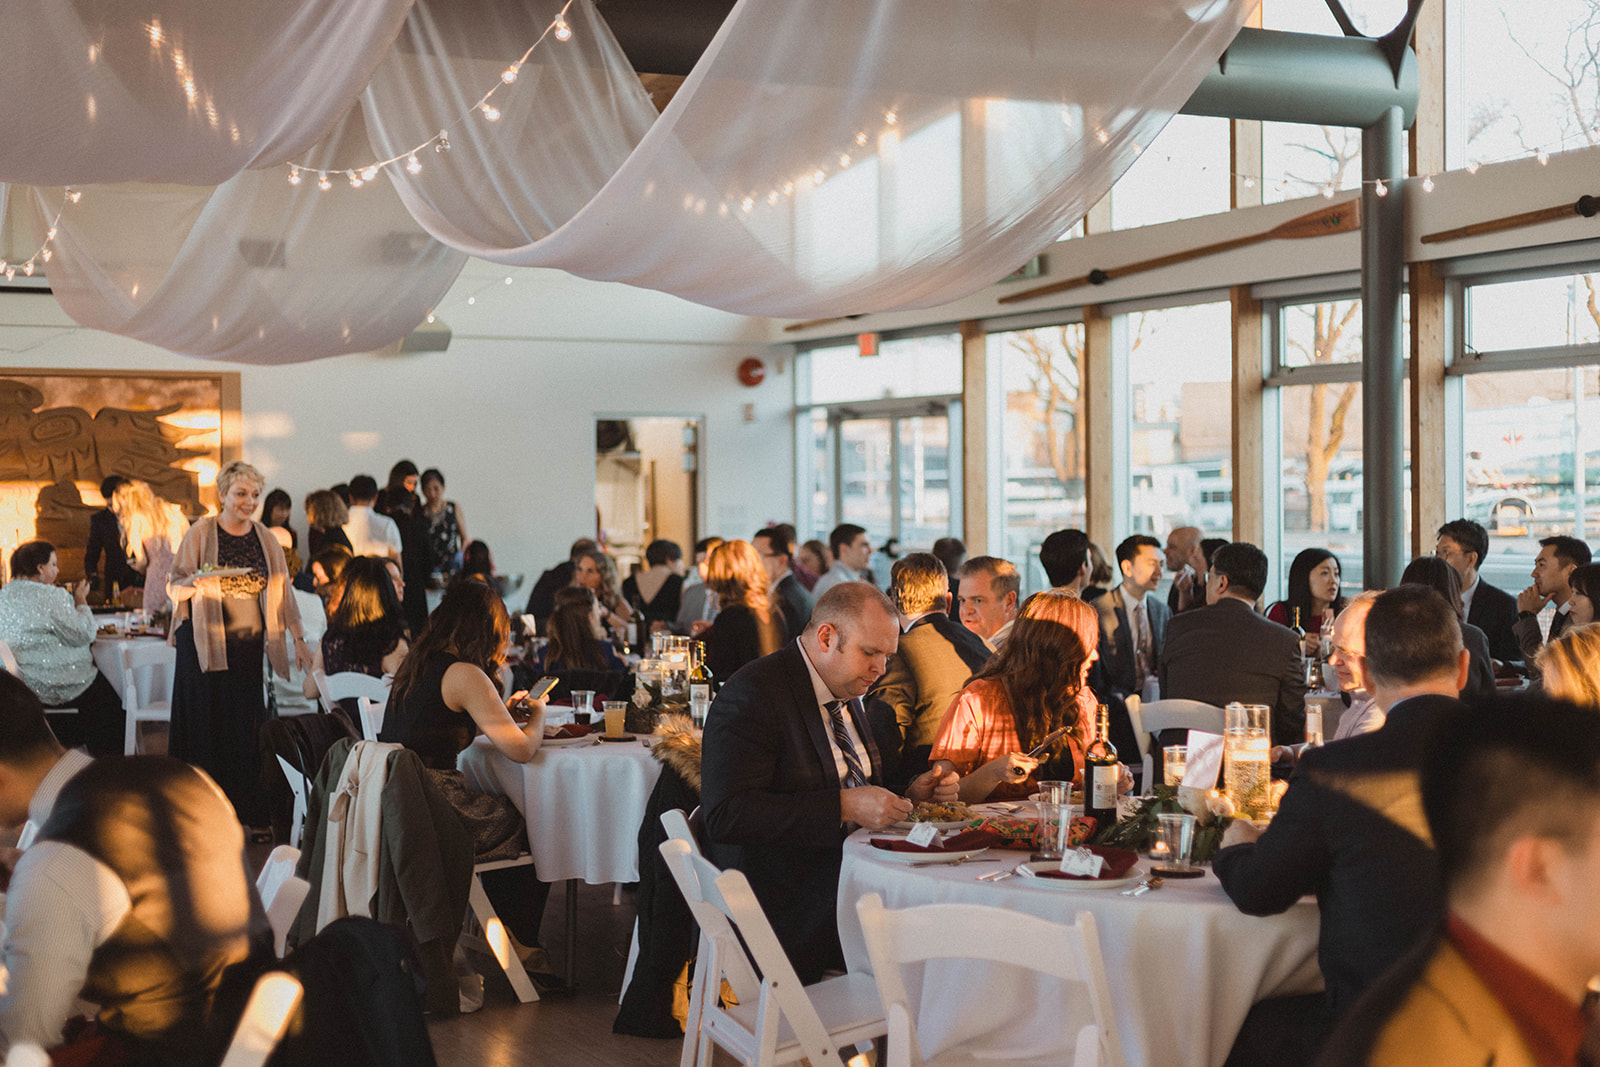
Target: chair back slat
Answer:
pixel 693 879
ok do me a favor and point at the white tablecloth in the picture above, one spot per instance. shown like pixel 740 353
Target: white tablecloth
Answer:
pixel 108 657
pixel 1183 964
pixel 583 805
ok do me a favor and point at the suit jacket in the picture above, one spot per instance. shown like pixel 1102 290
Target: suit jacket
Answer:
pixel 1480 677
pixel 770 800
pixel 1351 830
pixel 1433 1011
pixel 1226 652
pixel 1529 637
pixel 1494 611
pixel 935 659
pixel 1117 667
pixel 795 602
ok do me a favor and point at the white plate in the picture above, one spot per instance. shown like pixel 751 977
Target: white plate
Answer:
pixel 568 742
pixel 907 824
pixel 1135 873
pixel 918 859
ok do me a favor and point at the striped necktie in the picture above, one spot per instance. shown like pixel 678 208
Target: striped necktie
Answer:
pixel 854 776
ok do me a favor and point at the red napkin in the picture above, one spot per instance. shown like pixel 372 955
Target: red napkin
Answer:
pixel 965 841
pixel 571 729
pixel 1119 861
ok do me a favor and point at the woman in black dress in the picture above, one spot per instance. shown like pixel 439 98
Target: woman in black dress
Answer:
pixel 366 631
pixel 399 502
pixel 659 590
pixel 224 624
pixel 746 627
pixel 443 695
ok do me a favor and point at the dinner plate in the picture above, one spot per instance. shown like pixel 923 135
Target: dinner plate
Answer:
pixel 221 572
pixel 567 742
pixel 1135 873
pixel 919 859
pixel 907 824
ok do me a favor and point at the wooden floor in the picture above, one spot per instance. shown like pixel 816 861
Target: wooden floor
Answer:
pixel 558 1030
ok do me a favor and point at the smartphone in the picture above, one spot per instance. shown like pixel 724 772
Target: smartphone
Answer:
pixel 542 687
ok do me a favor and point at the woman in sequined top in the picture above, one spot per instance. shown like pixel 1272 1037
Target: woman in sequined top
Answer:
pixel 230 588
pixel 48 630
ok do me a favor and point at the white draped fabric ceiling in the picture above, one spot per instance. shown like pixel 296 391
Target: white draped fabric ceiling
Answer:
pixel 823 158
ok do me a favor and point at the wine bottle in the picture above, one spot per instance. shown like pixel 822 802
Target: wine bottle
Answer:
pixel 1101 772
pixel 1299 631
pixel 699 674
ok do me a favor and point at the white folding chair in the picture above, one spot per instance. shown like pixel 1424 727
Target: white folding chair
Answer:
pixel 266 1017
pixel 297 786
pixel 1160 715
pixel 492 934
pixel 148 668
pixel 371 717
pixel 281 893
pixel 776 1020
pixel 347 684
pixel 996 935
pixel 8 660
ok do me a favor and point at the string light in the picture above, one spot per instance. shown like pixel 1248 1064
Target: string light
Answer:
pixel 1544 158
pixel 1381 189
pixel 1427 184
pixel 559 28
pixel 44 253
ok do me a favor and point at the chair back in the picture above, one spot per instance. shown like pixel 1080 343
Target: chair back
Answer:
pixel 278 869
pixel 996 935
pixel 147 671
pixel 297 786
pixel 685 828
pixel 1161 715
pixel 371 717
pixel 265 1018
pixel 8 660
pixel 696 875
pixel 348 684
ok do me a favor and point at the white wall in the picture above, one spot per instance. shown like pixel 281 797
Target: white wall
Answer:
pixel 507 413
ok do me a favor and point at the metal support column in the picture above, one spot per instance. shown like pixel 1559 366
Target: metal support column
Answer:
pixel 1383 350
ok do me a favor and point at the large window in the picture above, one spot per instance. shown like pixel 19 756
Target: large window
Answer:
pixel 1180 419
pixel 1044 439
pixel 1182 174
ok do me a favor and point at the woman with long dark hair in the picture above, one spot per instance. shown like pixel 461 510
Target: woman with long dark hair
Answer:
pixel 1036 684
pixel 576 641
pixel 443 695
pixel 398 500
pixel 1314 590
pixel 746 627
pixel 366 630
pixel 593 569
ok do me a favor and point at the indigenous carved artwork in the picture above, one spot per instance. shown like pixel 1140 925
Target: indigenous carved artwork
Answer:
pixel 62 434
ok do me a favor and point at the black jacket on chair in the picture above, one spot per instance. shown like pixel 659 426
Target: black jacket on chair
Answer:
pixel 1351 830
pixel 770 800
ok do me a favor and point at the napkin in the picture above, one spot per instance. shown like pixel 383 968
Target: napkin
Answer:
pixel 965 841
pixel 573 729
pixel 1119 861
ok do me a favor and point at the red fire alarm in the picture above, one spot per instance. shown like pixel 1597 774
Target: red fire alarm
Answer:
pixel 867 344
pixel 752 371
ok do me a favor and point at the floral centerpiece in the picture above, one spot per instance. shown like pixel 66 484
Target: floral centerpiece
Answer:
pixel 1139 829
pixel 649 705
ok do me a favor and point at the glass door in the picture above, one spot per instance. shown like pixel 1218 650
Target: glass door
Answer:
pixel 893 473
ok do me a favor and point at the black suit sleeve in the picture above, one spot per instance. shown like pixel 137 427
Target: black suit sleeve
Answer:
pixel 891 709
pixel 753 739
pixel 1289 860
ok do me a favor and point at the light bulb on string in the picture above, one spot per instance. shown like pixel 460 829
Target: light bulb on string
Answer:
pixel 370 173
pixel 294 175
pixel 1544 158
pixel 27 268
pixel 1472 167
pixel 443 143
pixel 322 181
pixel 11 272
pixel 509 75
pixel 490 112
pixel 45 254
pixel 563 31
pixel 74 195
pixel 413 164
pixel 1427 184
pixel 1380 188
pixel 49 235
pixel 354 179
pixel 1249 182
pixel 1327 191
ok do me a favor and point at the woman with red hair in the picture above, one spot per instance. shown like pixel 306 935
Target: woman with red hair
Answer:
pixel 1036 684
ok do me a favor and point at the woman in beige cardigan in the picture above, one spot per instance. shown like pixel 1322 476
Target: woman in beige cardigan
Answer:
pixel 232 603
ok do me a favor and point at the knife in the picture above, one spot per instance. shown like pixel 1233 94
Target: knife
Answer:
pixel 1049 740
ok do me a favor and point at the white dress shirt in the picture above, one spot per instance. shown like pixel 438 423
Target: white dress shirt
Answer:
pixel 1362 717
pixel 837 575
pixel 825 696
pixel 1466 595
pixel 372 534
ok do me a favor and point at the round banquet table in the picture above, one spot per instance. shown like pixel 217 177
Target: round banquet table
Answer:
pixel 1183 964
pixel 107 652
pixel 583 804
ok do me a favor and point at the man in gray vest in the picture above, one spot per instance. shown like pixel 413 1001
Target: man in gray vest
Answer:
pixel 134 896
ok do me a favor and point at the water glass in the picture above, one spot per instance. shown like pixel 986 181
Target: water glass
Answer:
pixel 1055 823
pixel 616 717
pixel 1174 761
pixel 1055 792
pixel 582 705
pixel 1177 834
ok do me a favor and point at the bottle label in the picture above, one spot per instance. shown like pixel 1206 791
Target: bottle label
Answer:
pixel 1103 787
pixel 700 691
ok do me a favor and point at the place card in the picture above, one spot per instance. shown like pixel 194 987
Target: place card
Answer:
pixel 1205 760
pixel 1082 862
pixel 923 834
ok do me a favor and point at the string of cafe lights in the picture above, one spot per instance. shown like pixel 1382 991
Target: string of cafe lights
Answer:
pixel 356 177
pixel 45 252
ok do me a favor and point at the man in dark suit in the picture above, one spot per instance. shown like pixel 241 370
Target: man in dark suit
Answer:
pixel 789 769
pixel 935 658
pixel 1133 622
pixel 1225 651
pixel 776 549
pixel 1464 545
pixel 1350 829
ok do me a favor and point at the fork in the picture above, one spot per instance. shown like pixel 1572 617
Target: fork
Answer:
pixel 1145 886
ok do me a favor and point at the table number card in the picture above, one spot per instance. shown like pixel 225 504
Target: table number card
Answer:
pixel 1082 862
pixel 1205 760
pixel 923 834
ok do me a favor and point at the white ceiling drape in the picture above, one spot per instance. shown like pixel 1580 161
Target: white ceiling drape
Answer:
pixel 824 158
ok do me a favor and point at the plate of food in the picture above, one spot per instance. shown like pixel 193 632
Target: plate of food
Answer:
pixel 951 816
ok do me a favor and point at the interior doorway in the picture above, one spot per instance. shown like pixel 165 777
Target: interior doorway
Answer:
pixel 647 484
